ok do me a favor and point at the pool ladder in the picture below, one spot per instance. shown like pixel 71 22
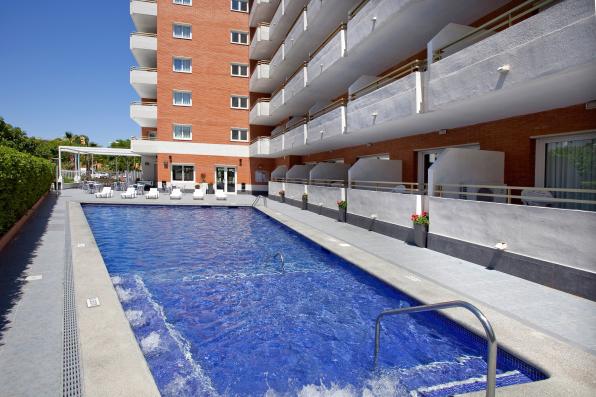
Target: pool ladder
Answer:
pixel 254 203
pixel 491 372
pixel 281 260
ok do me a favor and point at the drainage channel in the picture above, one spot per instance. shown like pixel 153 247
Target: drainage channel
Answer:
pixel 71 373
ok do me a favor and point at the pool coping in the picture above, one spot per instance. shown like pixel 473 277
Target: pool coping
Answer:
pixel 568 367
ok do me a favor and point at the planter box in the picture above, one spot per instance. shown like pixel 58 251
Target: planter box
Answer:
pixel 420 234
pixel 341 216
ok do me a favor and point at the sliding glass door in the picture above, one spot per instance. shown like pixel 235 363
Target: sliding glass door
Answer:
pixel 225 179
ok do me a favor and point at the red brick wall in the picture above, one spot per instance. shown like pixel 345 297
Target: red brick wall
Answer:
pixel 210 81
pixel 511 136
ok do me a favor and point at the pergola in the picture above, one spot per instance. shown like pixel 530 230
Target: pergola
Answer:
pixel 98 151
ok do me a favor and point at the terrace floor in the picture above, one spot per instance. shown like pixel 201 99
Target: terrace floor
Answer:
pixel 31 310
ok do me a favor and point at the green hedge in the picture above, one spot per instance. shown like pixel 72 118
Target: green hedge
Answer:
pixel 23 180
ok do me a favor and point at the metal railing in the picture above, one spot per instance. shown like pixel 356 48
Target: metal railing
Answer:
pixel 282 260
pixel 144 1
pixel 352 13
pixel 389 186
pixel 496 24
pixel 260 100
pixel 142 69
pixel 256 201
pixel 491 370
pixel 143 34
pixel 537 196
pixel 409 68
pixel 330 37
pixel 332 106
pixel 144 103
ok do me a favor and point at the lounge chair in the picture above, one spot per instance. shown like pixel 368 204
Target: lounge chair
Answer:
pixel 130 193
pixel 220 195
pixel 198 194
pixel 106 192
pixel 153 193
pixel 176 194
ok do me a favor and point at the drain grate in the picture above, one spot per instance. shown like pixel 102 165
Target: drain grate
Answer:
pixel 71 373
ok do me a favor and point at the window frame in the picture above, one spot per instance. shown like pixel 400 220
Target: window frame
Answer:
pixel 239 129
pixel 174 125
pixel 240 97
pixel 240 32
pixel 194 172
pixel 174 24
pixel 240 1
pixel 182 4
pixel 174 58
pixel 181 91
pixel 239 65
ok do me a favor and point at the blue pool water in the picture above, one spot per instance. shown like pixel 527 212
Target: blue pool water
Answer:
pixel 214 315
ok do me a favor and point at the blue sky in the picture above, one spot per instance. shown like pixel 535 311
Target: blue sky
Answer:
pixel 64 66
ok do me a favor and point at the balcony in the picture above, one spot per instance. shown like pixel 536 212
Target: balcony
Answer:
pixel 259 80
pixel 144 49
pixel 526 65
pixel 144 15
pixel 277 101
pixel 144 113
pixel 329 122
pixel 144 81
pixel 259 147
pixel 262 11
pixel 259 114
pixel 390 98
pixel 295 136
pixel 260 44
pixel 328 54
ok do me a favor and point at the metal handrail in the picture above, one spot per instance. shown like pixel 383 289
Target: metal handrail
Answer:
pixel 330 37
pixel 332 106
pixel 408 68
pixel 145 1
pixel 263 62
pixel 352 13
pixel 142 69
pixel 254 203
pixel 500 21
pixel 144 103
pixel 281 259
pixel 491 371
pixel 143 34
pixel 263 24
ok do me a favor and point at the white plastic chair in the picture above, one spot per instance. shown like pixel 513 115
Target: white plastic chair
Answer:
pixel 106 192
pixel 129 193
pixel 198 194
pixel 220 195
pixel 176 194
pixel 153 193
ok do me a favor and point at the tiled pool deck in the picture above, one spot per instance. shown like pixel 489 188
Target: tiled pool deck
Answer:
pixel 31 311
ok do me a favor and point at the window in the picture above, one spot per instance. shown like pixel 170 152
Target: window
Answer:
pixel 239 70
pixel 183 173
pixel 240 5
pixel 182 65
pixel 182 131
pixel 182 31
pixel 239 134
pixel 182 98
pixel 183 2
pixel 239 37
pixel 239 102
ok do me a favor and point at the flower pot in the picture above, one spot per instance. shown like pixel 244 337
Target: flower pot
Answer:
pixel 420 234
pixel 282 198
pixel 341 216
pixel 304 203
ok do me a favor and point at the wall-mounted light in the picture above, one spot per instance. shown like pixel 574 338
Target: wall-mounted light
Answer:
pixel 501 246
pixel 240 162
pixel 504 69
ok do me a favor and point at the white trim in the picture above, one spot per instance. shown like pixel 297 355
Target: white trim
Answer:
pixel 181 91
pixel 540 160
pixel 232 64
pixel 190 148
pixel 240 32
pixel 174 57
pixel 225 167
pixel 242 1
pixel 181 24
pixel 194 171
pixel 182 125
pixel 239 129
pixel 239 96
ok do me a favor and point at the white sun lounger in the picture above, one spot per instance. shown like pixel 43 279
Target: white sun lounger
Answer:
pixel 130 193
pixel 220 195
pixel 153 193
pixel 198 194
pixel 176 194
pixel 105 192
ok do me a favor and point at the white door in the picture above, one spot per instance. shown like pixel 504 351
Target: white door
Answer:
pixel 225 179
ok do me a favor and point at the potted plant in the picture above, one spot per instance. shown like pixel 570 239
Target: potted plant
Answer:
pixel 282 196
pixel 304 201
pixel 420 228
pixel 342 206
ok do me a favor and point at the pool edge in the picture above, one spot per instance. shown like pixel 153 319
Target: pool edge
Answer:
pixel 111 361
pixel 567 366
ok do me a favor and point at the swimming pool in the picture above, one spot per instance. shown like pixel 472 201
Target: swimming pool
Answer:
pixel 214 314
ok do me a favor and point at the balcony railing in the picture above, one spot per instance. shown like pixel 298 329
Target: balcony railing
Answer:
pixel 332 106
pixel 356 9
pixel 142 69
pixel 389 186
pixel 503 21
pixel 411 67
